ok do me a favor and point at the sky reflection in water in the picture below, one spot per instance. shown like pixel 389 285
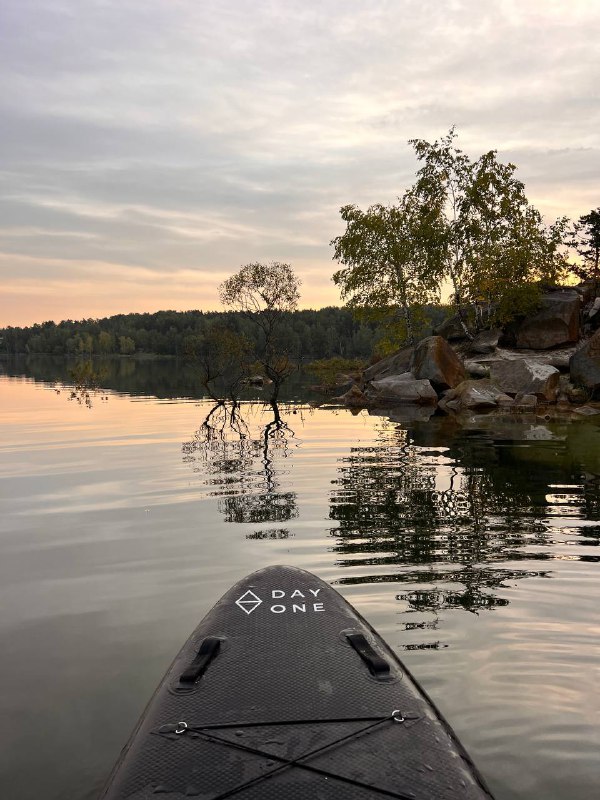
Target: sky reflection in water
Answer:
pixel 473 549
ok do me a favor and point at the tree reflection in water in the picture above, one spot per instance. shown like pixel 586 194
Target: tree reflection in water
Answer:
pixel 87 382
pixel 444 514
pixel 243 465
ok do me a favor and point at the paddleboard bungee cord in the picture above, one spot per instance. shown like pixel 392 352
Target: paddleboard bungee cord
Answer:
pixel 396 716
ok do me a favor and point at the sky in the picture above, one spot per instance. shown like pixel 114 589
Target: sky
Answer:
pixel 152 147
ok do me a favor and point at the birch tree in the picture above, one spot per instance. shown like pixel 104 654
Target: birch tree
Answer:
pixel 385 263
pixel 492 243
pixel 464 223
pixel 584 238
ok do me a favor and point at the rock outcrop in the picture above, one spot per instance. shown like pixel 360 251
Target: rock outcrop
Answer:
pixel 486 341
pixel 474 394
pixel 394 364
pixel 592 315
pixel 403 388
pixel 478 374
pixel 354 398
pixel 556 323
pixel 521 376
pixel 477 370
pixel 587 411
pixel 525 401
pixel 451 329
pixel 434 360
pixel 585 364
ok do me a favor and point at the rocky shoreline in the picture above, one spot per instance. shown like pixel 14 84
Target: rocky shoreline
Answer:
pixel 549 359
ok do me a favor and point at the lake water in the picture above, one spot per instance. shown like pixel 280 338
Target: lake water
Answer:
pixel 472 548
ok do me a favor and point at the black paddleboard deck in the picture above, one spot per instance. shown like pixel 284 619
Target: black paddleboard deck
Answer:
pixel 284 691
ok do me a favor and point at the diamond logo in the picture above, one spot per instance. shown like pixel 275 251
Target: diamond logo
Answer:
pixel 248 602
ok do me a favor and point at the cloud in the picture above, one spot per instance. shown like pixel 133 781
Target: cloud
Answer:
pixel 174 135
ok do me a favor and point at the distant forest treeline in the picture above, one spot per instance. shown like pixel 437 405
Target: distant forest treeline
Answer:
pixel 307 334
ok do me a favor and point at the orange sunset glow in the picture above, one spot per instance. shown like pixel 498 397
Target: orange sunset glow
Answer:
pixel 142 168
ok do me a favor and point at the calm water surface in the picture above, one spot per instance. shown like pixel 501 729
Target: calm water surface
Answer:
pixel 472 548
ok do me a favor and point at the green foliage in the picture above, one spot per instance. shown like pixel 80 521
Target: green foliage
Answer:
pixel 463 221
pixel 87 379
pixel 264 293
pixel 327 370
pixel 222 355
pixel 308 334
pixel 126 345
pixel 584 238
pixel 488 240
pixel 385 264
pixel 106 342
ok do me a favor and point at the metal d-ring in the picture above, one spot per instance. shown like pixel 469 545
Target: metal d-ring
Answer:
pixel 396 716
pixel 181 727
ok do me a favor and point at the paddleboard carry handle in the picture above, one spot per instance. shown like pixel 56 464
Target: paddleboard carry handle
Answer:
pixel 377 665
pixel 208 649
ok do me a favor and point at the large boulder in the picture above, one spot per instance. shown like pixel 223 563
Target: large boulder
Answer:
pixel 403 388
pixel 486 341
pixel 522 376
pixel 587 411
pixel 451 329
pixel 354 398
pixel 585 364
pixel 477 370
pixel 591 321
pixel 434 360
pixel 587 291
pixel 394 364
pixel 475 394
pixel 556 323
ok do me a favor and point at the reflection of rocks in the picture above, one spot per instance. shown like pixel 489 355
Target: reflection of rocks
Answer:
pixel 401 389
pixel 522 376
pixel 434 360
pixel 538 433
pixel 258 380
pixel 255 508
pixel 587 411
pixel 585 364
pixel 440 510
pixel 512 428
pixel 270 534
pixel 404 414
pixel 474 597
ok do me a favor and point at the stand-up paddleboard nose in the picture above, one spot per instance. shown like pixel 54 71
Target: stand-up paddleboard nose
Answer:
pixel 285 691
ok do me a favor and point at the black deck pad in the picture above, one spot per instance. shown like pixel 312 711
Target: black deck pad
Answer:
pixel 294 701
